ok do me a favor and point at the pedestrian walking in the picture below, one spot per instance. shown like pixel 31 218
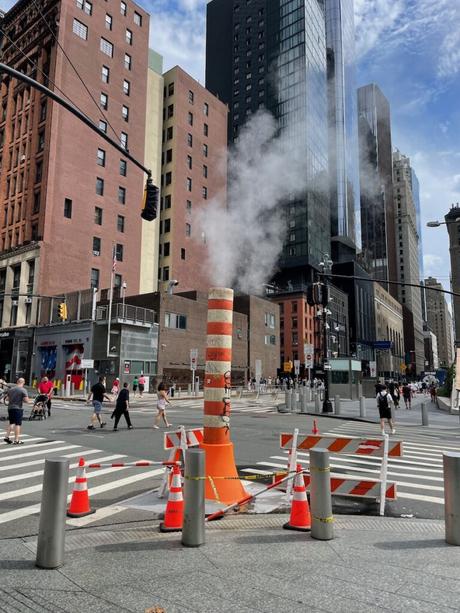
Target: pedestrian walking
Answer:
pixel 16 396
pixel 384 404
pixel 407 395
pixel 141 385
pixel 45 389
pixel 98 394
pixel 135 386
pixel 115 387
pixel 122 408
pixel 162 401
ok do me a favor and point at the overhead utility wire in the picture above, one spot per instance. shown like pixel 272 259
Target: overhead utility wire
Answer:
pixel 75 69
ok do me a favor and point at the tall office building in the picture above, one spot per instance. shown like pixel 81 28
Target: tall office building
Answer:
pixel 452 220
pixel 408 271
pixel 440 321
pixel 193 162
pixel 68 200
pixel 343 129
pixel 376 181
pixel 272 54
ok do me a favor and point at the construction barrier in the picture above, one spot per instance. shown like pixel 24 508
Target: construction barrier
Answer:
pixel 132 464
pixel 343 485
pixel 178 442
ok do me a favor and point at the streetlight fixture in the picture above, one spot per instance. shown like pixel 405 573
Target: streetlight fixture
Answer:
pixel 436 224
pixel 326 268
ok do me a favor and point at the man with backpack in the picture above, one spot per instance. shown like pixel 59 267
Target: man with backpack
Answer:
pixel 384 405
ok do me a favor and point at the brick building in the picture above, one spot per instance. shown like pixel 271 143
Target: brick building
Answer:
pixel 67 198
pixel 193 173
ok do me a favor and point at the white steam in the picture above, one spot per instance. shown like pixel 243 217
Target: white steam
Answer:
pixel 245 238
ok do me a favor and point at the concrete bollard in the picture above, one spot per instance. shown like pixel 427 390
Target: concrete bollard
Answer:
pixel 317 404
pixel 337 405
pixel 288 400
pixel 425 421
pixel 193 531
pixel 189 389
pixel 451 466
pixel 304 408
pixel 362 407
pixel 51 531
pixel 322 527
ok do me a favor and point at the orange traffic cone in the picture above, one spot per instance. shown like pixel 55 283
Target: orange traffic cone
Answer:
pixel 300 518
pixel 174 513
pixel 79 503
pixel 315 428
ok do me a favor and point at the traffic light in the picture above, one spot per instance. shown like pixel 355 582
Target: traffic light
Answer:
pixel 62 311
pixel 150 201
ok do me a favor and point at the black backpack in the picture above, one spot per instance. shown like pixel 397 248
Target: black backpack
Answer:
pixel 382 401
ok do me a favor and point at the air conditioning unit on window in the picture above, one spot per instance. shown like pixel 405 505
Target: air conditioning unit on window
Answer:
pixel 14 303
pixel 96 252
pixel 28 300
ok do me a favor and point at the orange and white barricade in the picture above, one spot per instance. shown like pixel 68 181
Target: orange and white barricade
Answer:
pixel 351 445
pixel 178 442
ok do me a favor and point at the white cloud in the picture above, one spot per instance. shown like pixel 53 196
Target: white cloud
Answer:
pixel 456 183
pixel 449 54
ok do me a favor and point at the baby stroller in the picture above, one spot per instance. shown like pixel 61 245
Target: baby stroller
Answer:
pixel 39 407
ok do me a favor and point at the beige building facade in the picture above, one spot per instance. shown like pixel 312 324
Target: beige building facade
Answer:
pixel 389 327
pixel 439 321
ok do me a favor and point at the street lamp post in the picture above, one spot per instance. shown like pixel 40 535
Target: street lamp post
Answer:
pixel 326 267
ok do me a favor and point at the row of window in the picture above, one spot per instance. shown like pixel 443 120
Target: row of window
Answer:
pixel 165 227
pixel 100 184
pixel 118 251
pixel 169 91
pixel 87 7
pixel 165 251
pixel 98 215
pixel 96 275
pixel 165 203
pixel 104 100
pixel 168 112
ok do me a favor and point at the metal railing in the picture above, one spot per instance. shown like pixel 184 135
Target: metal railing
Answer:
pixel 126 313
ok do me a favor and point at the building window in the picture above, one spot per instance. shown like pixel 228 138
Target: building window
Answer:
pixel 166 273
pixel 189 184
pixel 137 19
pixel 119 252
pixel 122 195
pixel 205 129
pixel 205 193
pixel 125 112
pixel 182 254
pixel 168 201
pixel 189 140
pixel 205 171
pixel 170 89
pixel 205 150
pixel 99 186
pixel 68 208
pixel 166 249
pixel 189 162
pixel 38 172
pixel 108 21
pixel 191 96
pixel 106 47
pixel 80 29
pixel 168 178
pixel 124 140
pixel 120 223
pixel 126 87
pixel 206 109
pixel 104 101
pixel 127 61
pixel 173 320
pixel 42 112
pixel 129 37
pixel 170 111
pixel 41 141
pixel 188 205
pixel 169 133
pixel 167 226
pixel 169 155
pixel 103 126
pixel 190 118
pixel 105 74
pixel 96 246
pixel 94 278
pixel 98 215
pixel 123 8
pixel 123 168
pixel 101 157
pixel 188 229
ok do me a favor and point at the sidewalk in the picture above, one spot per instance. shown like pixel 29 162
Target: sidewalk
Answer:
pixel 248 564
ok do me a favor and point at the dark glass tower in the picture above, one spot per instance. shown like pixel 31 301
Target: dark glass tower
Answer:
pixel 343 127
pixel 272 54
pixel 376 180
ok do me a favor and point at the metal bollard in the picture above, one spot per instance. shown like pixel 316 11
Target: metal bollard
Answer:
pixel 304 408
pixel 322 527
pixel 451 465
pixel 425 421
pixel 362 407
pixel 189 389
pixel 193 532
pixel 337 405
pixel 51 531
pixel 287 400
pixel 317 403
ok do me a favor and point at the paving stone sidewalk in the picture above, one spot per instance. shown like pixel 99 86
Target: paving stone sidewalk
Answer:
pixel 248 564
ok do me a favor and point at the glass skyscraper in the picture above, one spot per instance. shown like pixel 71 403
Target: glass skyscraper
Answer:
pixel 343 122
pixel 272 54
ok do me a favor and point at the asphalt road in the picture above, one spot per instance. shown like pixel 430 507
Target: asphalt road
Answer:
pixel 255 433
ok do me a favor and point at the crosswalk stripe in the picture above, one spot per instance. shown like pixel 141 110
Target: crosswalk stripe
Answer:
pixel 420 497
pixel 7 448
pixel 41 460
pixel 37 473
pixel 405 464
pixel 34 453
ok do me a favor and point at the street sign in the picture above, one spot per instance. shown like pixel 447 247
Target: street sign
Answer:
pixel 296 367
pixel 287 367
pixel 84 364
pixel 373 368
pixel 382 344
pixel 327 367
pixel 193 359
pixel 308 351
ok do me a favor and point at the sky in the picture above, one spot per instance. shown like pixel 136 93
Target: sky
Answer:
pixel 411 49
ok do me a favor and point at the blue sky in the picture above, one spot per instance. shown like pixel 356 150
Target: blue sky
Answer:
pixel 411 49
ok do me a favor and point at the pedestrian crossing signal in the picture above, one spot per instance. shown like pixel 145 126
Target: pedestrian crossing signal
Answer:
pixel 150 202
pixel 62 311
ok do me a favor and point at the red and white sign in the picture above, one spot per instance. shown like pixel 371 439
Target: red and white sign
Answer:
pixel 342 444
pixel 172 440
pixel 193 359
pixel 308 355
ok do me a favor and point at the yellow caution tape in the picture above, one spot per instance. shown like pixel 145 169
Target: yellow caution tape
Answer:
pixel 324 520
pixel 320 470
pixel 244 477
pixel 214 489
